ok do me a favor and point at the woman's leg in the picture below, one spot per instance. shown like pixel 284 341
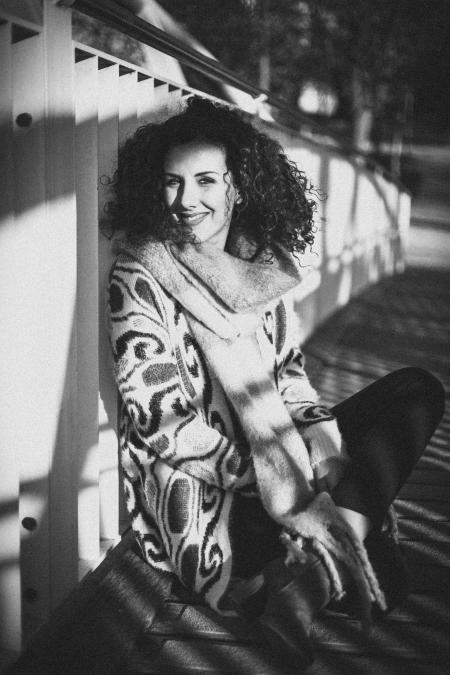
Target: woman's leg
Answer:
pixel 386 427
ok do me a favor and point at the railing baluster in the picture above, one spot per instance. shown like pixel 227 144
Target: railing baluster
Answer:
pixel 10 527
pixel 34 392
pixel 160 101
pixel 145 99
pixel 57 254
pixel 127 105
pixel 108 138
pixel 86 162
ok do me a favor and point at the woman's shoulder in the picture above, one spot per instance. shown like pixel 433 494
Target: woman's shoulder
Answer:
pixel 126 264
pixel 128 268
pixel 136 281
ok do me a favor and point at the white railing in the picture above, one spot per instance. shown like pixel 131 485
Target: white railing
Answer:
pixel 64 110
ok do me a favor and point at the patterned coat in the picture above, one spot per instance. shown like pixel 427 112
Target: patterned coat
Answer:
pixel 186 462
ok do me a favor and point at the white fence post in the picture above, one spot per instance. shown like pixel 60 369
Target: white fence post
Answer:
pixel 145 99
pixel 86 164
pixel 39 273
pixel 127 104
pixel 34 392
pixel 108 138
pixel 10 592
pixel 60 262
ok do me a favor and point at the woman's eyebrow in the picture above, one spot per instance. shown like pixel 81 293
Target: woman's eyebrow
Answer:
pixel 200 173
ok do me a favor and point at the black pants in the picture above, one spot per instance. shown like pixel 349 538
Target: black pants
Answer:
pixel 386 427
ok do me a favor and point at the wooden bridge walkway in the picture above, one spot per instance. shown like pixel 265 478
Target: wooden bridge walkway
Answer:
pixel 116 622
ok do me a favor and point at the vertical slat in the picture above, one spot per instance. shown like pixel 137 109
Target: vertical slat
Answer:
pixel 108 136
pixel 34 393
pixel 174 104
pixel 403 225
pixel 10 623
pixel 167 101
pixel 59 269
pixel 128 121
pixel 145 100
pixel 127 105
pixel 160 96
pixel 87 311
pixel 383 226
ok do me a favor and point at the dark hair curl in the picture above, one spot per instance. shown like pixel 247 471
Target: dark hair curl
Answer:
pixel 274 204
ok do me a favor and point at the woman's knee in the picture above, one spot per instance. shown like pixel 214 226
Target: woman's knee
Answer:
pixel 423 386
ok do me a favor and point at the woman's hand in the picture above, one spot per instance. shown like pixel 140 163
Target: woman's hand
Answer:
pixel 320 528
pixel 328 473
pixel 327 452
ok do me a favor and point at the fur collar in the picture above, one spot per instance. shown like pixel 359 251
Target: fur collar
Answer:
pixel 240 285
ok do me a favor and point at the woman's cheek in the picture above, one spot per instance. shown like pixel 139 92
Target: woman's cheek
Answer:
pixel 168 196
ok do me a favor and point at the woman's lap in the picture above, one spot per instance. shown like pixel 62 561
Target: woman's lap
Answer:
pixel 386 427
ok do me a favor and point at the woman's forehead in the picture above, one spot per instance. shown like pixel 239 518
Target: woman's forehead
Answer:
pixel 196 156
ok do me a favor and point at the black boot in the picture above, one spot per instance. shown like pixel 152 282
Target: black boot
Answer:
pixel 283 609
pixel 390 567
pixel 392 573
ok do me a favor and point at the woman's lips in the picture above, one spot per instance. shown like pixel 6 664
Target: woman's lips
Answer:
pixel 190 218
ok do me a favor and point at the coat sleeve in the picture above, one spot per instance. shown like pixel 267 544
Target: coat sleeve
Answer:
pixel 169 425
pixel 315 422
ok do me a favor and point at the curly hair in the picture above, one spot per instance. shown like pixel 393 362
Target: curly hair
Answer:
pixel 274 206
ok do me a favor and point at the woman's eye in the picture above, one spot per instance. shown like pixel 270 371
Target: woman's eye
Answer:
pixel 171 182
pixel 206 181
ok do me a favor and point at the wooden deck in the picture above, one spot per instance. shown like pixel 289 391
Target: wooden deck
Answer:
pixel 117 623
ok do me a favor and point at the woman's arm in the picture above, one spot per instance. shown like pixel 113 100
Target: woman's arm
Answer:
pixel 314 421
pixel 148 379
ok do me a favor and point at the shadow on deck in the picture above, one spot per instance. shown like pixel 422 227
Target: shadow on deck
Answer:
pixel 117 622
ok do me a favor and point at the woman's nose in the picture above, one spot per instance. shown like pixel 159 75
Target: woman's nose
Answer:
pixel 188 194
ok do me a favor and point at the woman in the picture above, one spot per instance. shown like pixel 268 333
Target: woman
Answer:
pixel 237 479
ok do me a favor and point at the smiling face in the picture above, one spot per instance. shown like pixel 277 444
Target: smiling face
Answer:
pixel 199 191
